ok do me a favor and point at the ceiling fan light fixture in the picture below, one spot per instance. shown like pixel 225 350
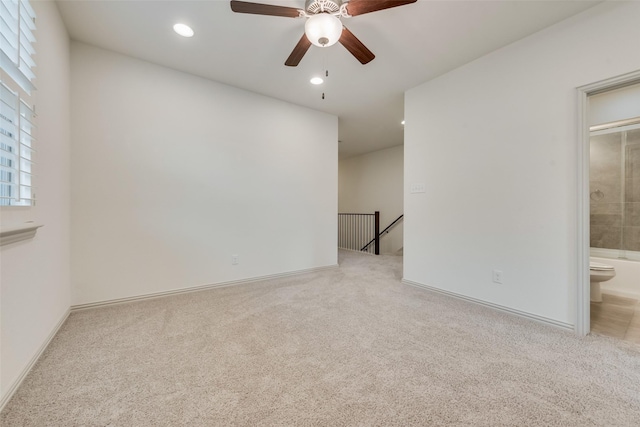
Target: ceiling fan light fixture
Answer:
pixel 323 29
pixel 183 30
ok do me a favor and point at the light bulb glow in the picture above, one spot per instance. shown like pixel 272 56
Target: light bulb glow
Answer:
pixel 316 81
pixel 183 30
pixel 403 122
pixel 323 30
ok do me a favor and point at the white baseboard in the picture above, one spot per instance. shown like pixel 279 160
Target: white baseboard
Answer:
pixel 509 310
pixel 355 250
pixel 198 288
pixel 14 387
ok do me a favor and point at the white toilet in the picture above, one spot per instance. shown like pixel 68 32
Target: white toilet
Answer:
pixel 599 273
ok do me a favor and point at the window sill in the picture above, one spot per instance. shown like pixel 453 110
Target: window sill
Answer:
pixel 17 233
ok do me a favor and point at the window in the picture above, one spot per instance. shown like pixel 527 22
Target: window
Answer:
pixel 17 28
pixel 16 153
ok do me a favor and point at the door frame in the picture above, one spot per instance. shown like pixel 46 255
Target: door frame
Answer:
pixel 583 322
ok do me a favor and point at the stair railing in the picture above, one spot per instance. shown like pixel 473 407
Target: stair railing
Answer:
pixel 356 229
pixel 382 233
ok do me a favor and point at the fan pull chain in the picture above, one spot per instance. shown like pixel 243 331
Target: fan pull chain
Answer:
pixel 325 67
pixel 326 74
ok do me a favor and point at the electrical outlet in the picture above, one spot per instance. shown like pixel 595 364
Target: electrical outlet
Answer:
pixel 235 260
pixel 497 276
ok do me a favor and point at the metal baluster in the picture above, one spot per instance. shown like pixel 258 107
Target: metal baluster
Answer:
pixel 359 230
pixel 351 233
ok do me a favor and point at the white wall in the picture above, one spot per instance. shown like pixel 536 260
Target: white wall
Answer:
pixel 615 105
pixel 373 182
pixel 173 174
pixel 35 278
pixel 495 142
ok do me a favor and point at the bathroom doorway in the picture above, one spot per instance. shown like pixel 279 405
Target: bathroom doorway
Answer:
pixel 609 301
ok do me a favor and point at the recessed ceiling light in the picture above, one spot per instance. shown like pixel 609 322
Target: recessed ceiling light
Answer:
pixel 403 122
pixel 183 30
pixel 316 81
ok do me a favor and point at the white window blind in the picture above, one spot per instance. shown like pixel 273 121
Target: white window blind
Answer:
pixel 16 149
pixel 17 27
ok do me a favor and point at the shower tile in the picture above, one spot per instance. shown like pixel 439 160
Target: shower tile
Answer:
pixel 632 214
pixel 606 237
pixel 605 174
pixel 633 136
pixel 632 173
pixel 607 220
pixel 632 188
pixel 606 208
pixel 632 238
pixel 608 186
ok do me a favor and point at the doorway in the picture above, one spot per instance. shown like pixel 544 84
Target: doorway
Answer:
pixel 607 210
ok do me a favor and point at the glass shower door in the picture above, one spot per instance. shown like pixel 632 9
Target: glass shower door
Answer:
pixel 615 192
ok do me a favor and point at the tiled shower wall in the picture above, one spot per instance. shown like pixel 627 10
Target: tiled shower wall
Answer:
pixel 615 190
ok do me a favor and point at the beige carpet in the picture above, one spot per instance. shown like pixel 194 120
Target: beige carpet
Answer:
pixel 346 347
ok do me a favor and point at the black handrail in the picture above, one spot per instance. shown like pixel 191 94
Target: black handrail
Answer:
pixel 386 230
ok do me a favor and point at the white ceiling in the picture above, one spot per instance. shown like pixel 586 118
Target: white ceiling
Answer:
pixel 412 44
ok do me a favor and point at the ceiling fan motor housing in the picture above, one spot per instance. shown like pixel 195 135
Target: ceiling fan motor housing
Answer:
pixel 319 6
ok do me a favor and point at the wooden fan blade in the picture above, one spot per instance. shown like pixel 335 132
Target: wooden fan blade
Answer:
pixel 360 7
pixel 355 46
pixel 264 9
pixel 298 52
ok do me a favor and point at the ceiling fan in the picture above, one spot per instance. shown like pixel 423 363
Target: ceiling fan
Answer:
pixel 323 27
